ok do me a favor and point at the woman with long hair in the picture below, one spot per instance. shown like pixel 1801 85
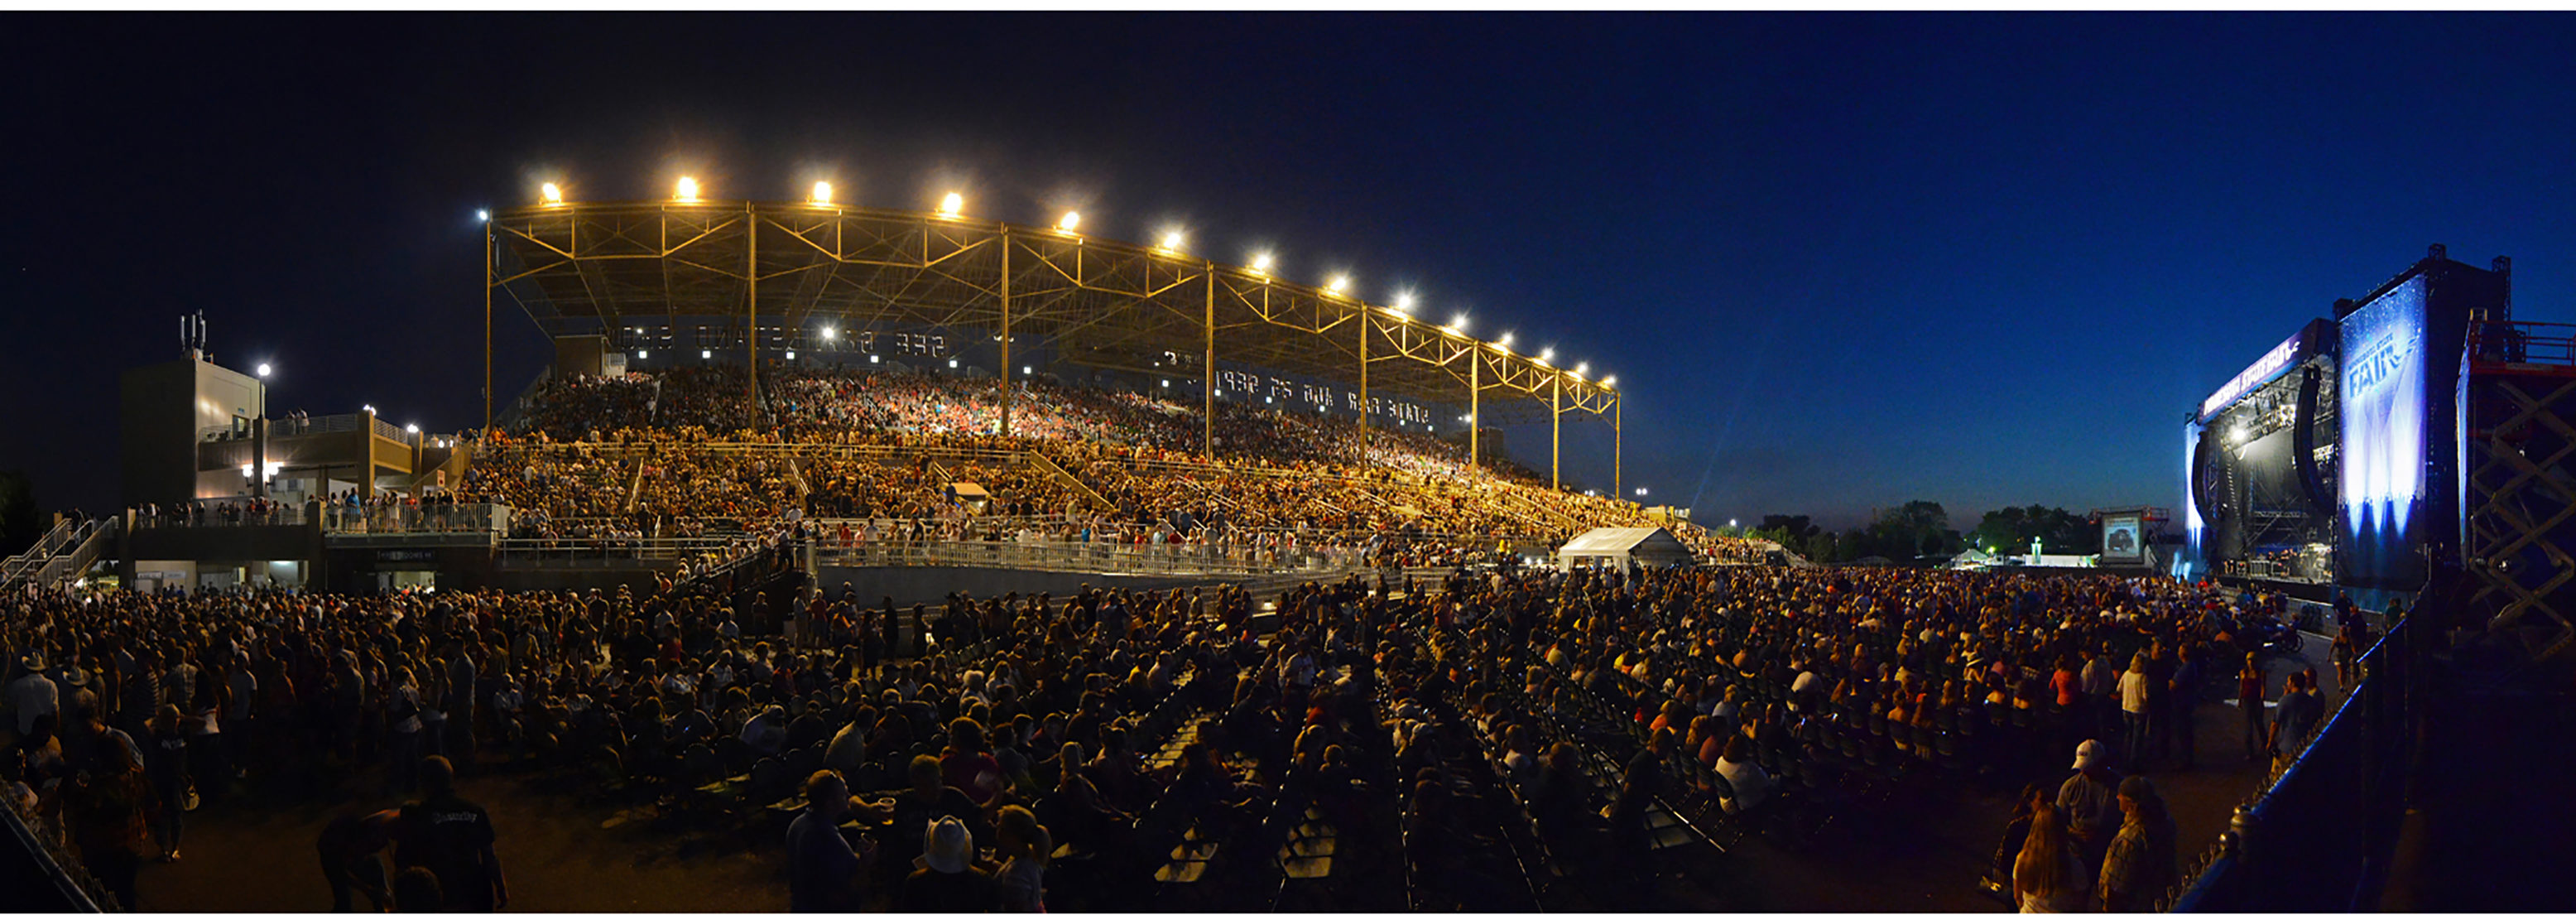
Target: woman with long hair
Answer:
pixel 1024 847
pixel 2049 876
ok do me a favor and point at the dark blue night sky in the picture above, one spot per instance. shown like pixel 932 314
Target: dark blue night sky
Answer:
pixel 1837 261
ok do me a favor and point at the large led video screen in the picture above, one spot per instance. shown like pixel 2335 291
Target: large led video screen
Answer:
pixel 2383 389
pixel 2120 539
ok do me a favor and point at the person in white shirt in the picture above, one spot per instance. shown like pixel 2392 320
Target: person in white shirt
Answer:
pixel 34 696
pixel 2133 709
pixel 1750 785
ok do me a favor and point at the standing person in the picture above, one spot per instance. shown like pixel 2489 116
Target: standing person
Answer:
pixel 2140 863
pixel 2249 699
pixel 2049 875
pixel 34 695
pixel 165 764
pixel 351 849
pixel 1025 846
pixel 2088 804
pixel 2133 711
pixel 822 865
pixel 452 837
pixel 2300 710
pixel 104 805
pixel 2182 696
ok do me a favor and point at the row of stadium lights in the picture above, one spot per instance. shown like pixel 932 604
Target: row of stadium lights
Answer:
pixel 953 206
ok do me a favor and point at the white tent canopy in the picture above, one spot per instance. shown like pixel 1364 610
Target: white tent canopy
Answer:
pixel 1642 545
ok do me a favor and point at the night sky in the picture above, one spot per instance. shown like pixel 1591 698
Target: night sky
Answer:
pixel 1837 261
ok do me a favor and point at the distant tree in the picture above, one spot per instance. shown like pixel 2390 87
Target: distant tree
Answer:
pixel 2011 530
pixel 1798 527
pixel 19 523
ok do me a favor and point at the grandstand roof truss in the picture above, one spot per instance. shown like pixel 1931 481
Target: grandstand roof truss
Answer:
pixel 768 276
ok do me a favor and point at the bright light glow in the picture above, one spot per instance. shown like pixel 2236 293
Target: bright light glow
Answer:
pixel 687 191
pixel 872 358
pixel 370 408
pixel 639 355
pixel 1167 382
pixel 2239 435
pixel 411 428
pixel 1547 354
pixel 1028 369
pixel 1070 220
pixel 1404 301
pixel 830 332
pixel 1641 490
pixel 1261 262
pixel 1172 241
pixel 952 204
pixel 483 215
pixel 1506 339
pixel 705 354
pixel 822 192
pixel 1458 323
pixel 262 370
pixel 952 363
pixel 791 355
pixel 1609 381
pixel 1341 282
pixel 550 193
pixel 1581 367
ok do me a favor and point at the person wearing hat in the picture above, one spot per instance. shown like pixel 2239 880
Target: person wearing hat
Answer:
pixel 2087 799
pixel 2140 863
pixel 946 877
pixel 33 694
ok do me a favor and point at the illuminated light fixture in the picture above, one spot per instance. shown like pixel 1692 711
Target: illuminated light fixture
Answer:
pixel 1506 339
pixel 1270 400
pixel 706 354
pixel 262 370
pixel 1404 301
pixel 1028 369
pixel 1070 220
pixel 791 355
pixel 639 355
pixel 1261 262
pixel 1609 381
pixel 952 204
pixel 1458 325
pixel 1167 382
pixel 483 215
pixel 2239 435
pixel 1547 354
pixel 822 192
pixel 830 332
pixel 872 358
pixel 1641 490
pixel 1340 283
pixel 952 363
pixel 370 408
pixel 686 191
pixel 1581 367
pixel 550 193
pixel 1172 241
pixel 411 428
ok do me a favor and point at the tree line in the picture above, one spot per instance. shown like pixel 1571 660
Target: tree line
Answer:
pixel 1921 529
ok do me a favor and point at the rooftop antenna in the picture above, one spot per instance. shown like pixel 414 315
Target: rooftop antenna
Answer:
pixel 192 335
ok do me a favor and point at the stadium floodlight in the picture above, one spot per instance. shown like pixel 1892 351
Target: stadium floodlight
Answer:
pixel 686 191
pixel 1070 220
pixel 1172 241
pixel 822 192
pixel 1641 490
pixel 830 332
pixel 551 193
pixel 1547 354
pixel 1167 382
pixel 872 358
pixel 483 216
pixel 952 205
pixel 1404 301
pixel 1340 283
pixel 262 370
pixel 370 408
pixel 952 363
pixel 791 355
pixel 639 355
pixel 1028 370
pixel 706 354
pixel 1505 340
pixel 1581 367
pixel 1609 381
pixel 1458 324
pixel 411 428
pixel 1261 262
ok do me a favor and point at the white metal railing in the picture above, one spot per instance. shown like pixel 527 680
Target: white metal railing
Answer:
pixel 44 548
pixel 1167 559
pixel 602 549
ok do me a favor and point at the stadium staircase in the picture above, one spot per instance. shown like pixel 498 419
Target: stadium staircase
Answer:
pixel 63 555
pixel 634 486
pixel 1098 502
